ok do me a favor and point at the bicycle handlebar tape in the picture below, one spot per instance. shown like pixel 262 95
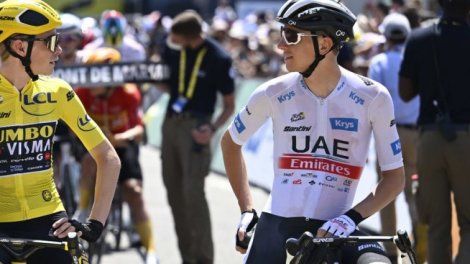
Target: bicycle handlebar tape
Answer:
pixel 250 229
pixel 91 230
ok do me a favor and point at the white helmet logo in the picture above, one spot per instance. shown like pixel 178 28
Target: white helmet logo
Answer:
pixel 340 33
pixel 291 22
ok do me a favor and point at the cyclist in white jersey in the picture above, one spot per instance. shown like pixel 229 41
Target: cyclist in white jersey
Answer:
pixel 323 117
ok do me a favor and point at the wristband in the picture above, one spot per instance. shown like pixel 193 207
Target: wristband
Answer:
pixel 355 216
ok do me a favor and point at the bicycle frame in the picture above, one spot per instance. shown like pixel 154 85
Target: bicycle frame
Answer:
pixel 303 247
pixel 16 247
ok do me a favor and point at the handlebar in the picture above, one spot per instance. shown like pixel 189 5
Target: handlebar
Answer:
pixel 21 249
pixel 303 247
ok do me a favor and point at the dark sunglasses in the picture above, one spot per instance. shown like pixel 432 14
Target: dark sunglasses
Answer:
pixel 292 37
pixel 52 41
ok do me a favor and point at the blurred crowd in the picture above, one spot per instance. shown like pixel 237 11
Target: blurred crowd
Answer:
pixel 251 40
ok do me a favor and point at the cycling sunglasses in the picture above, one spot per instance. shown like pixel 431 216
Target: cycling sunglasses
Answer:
pixel 52 41
pixel 292 37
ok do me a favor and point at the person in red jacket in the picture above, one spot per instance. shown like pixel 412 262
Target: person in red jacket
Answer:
pixel 117 112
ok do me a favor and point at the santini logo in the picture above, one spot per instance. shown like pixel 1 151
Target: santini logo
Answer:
pixel 5 114
pixel 347 124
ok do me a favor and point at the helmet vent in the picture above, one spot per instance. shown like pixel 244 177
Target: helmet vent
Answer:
pixel 33 18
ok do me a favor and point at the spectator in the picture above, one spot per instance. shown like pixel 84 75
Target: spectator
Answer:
pixel 70 40
pixel 114 35
pixel 435 67
pixel 116 111
pixel 200 70
pixel 384 68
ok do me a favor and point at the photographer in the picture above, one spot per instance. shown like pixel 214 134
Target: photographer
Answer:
pixel 435 66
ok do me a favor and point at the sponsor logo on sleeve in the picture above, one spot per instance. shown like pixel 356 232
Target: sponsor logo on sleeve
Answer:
pixel 286 97
pixel 392 123
pixel 70 95
pixel 347 124
pixel 285 181
pixel 366 81
pixel 239 124
pixel 85 123
pixel 396 147
pixel 312 182
pixel 247 110
pixel 356 98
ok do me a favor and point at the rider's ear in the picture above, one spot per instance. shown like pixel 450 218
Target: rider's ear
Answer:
pixel 325 44
pixel 19 46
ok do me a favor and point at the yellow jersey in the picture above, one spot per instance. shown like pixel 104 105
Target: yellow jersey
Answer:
pixel 28 119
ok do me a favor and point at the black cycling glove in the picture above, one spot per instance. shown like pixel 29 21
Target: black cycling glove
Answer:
pixel 91 230
pixel 248 221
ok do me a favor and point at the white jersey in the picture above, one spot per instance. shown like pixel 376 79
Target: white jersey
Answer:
pixel 320 144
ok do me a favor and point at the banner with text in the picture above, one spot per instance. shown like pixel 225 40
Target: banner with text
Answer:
pixel 97 75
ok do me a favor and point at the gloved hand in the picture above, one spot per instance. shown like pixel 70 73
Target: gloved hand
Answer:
pixel 247 223
pixel 341 226
pixel 91 230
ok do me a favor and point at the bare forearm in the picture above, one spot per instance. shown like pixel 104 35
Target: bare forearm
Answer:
pixel 222 118
pixel 229 107
pixel 236 172
pixel 107 173
pixel 131 134
pixel 386 191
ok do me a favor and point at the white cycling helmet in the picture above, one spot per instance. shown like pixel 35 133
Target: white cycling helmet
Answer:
pixel 71 24
pixel 328 16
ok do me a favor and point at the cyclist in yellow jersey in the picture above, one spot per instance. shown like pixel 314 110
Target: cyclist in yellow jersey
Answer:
pixel 30 106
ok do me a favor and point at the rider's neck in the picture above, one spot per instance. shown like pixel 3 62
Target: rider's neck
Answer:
pixel 324 78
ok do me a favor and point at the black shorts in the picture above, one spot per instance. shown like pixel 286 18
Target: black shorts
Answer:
pixel 130 165
pixel 36 228
pixel 272 232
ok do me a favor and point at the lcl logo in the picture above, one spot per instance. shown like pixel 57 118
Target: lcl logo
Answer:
pixel 340 33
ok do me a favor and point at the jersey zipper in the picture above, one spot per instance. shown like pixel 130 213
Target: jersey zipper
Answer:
pixel 322 116
pixel 19 180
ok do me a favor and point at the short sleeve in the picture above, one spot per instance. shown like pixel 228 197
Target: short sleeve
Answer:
pixel 226 73
pixel 251 117
pixel 408 64
pixel 75 116
pixel 385 131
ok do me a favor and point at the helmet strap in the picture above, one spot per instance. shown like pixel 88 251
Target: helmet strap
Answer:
pixel 318 58
pixel 26 60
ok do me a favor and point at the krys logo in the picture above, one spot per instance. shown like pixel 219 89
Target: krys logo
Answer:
pixel 347 124
pixel 239 124
pixel 85 123
pixel 39 104
pixel 356 98
pixel 286 97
